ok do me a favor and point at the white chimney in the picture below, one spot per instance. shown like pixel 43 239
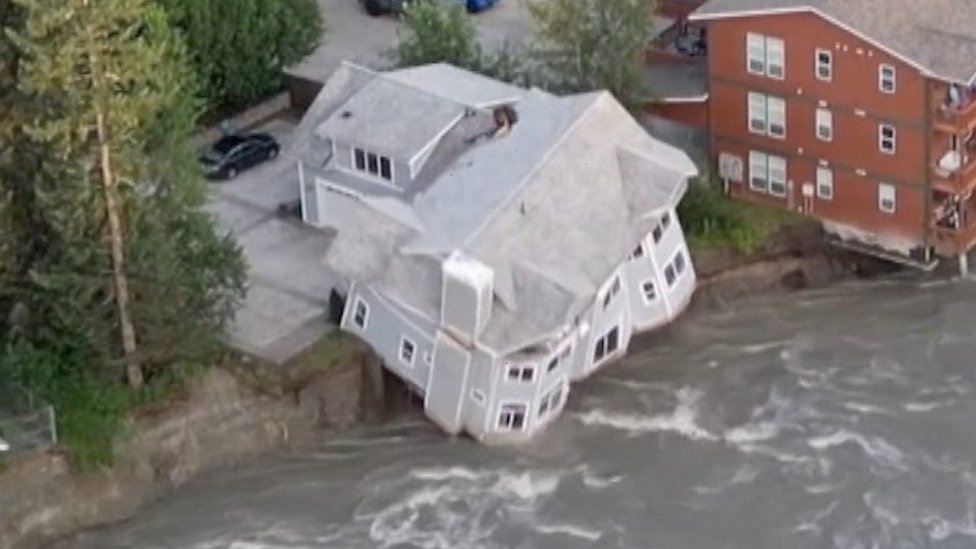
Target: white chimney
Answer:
pixel 467 288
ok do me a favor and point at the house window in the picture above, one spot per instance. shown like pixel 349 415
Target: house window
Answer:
pixel 765 55
pixel 360 313
pixel 359 159
pixel 757 113
pixel 638 252
pixel 512 417
pixel 824 65
pixel 521 373
pixel 657 233
pixel 373 164
pixel 758 173
pixel 665 221
pixel 478 396
pixel 886 198
pixel 553 364
pixel 551 401
pixel 756 53
pixel 649 290
pixel 825 125
pixel 777 175
pixel 407 350
pixel 886 138
pixel 669 275
pixel 679 262
pixel 775 58
pixel 386 169
pixel 767 115
pixel 825 184
pixel 606 345
pixel 611 292
pixel 886 78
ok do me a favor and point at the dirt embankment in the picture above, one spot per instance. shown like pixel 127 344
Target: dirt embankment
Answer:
pixel 230 414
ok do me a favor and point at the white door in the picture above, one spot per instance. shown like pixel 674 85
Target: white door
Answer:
pixel 444 398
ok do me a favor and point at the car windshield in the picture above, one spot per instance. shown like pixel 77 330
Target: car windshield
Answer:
pixel 226 143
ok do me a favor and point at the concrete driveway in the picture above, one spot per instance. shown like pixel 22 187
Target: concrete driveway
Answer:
pixel 288 283
pixel 354 36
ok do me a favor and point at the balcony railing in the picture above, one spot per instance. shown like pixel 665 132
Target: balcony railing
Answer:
pixel 955 173
pixel 959 118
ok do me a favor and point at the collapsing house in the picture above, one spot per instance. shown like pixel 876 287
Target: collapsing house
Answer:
pixel 493 243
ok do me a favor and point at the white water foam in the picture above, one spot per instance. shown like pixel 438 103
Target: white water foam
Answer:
pixel 876 448
pixel 571 530
pixel 920 407
pixel 682 420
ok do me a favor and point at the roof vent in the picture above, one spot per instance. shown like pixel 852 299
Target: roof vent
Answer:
pixel 346 114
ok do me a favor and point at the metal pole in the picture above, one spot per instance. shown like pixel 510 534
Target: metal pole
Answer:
pixel 963 265
pixel 54 424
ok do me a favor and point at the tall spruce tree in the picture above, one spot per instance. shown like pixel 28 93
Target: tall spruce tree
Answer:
pixel 133 268
pixel 584 45
pixel 239 47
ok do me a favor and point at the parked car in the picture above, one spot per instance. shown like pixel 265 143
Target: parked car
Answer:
pixel 381 7
pixel 234 153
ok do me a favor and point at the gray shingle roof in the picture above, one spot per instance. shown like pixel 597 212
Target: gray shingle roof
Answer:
pixel 457 85
pixel 553 207
pixel 939 35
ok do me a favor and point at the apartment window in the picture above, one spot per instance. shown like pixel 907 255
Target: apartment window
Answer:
pixel 373 164
pixel 611 292
pixel 777 175
pixel 825 125
pixel 757 113
pixel 765 55
pixel 551 401
pixel 649 291
pixel 606 345
pixel 886 138
pixel 407 350
pixel 886 78
pixel 512 417
pixel 886 198
pixel 521 373
pixel 360 313
pixel 824 65
pixel 756 53
pixel 758 172
pixel 767 115
pixel 825 184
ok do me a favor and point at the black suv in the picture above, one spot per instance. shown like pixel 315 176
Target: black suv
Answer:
pixel 235 153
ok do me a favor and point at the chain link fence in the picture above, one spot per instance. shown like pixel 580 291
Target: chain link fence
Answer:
pixel 26 423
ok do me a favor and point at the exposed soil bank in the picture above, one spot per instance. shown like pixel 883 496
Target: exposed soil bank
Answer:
pixel 224 418
pixel 237 412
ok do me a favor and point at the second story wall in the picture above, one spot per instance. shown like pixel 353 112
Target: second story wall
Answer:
pixel 810 64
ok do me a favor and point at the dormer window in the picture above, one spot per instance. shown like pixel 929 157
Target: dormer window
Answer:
pixel 373 164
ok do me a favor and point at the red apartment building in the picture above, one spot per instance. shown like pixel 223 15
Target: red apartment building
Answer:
pixel 860 113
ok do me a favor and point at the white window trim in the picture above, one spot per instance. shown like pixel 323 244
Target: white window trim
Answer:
pixel 365 171
pixel 762 159
pixel 413 352
pixel 825 179
pixel 824 118
pixel 525 415
pixel 521 368
pixel 829 65
pixel 881 138
pixel 756 111
pixel 882 188
pixel 355 307
pixel 771 41
pixel 757 40
pixel 882 68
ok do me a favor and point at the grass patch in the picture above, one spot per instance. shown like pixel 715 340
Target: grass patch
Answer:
pixel 293 375
pixel 712 219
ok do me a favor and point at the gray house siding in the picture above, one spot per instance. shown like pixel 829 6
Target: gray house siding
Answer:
pixel 609 326
pixel 385 331
pixel 478 393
